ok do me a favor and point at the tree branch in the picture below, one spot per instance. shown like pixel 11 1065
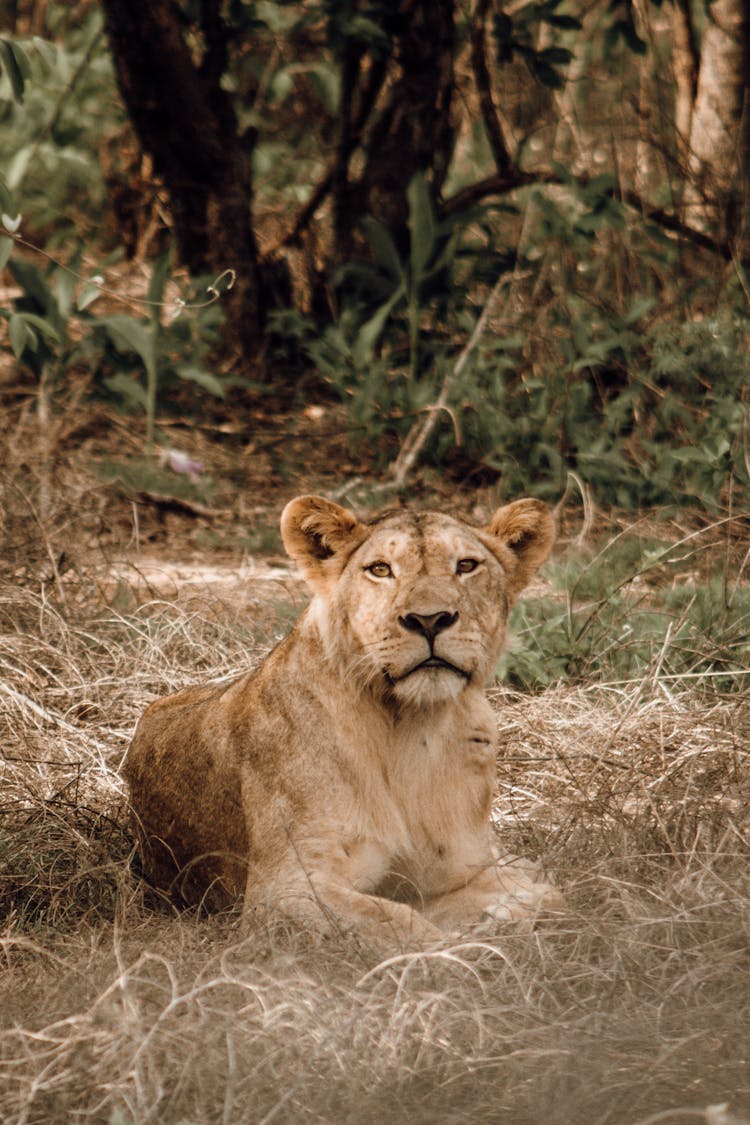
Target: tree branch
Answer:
pixel 499 184
pixel 368 97
pixel 669 221
pixel 416 439
pixel 503 184
pixel 483 84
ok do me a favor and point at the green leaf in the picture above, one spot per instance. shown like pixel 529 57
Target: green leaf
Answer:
pixel 555 56
pixel 690 454
pixel 281 86
pixel 509 343
pixel 21 335
pixel 562 171
pixel 16 67
pixel 502 31
pixel 6 249
pixel 129 334
pixel 15 169
pixel 41 324
pixel 21 58
pixel 625 29
pixel 382 246
pixel 201 378
pixel 543 72
pixel 88 295
pixel 65 285
pixel 633 39
pixel 35 286
pixel 6 199
pixel 639 309
pixel 275 16
pixel 46 50
pixel 422 225
pixel 599 186
pixel 370 332
pixel 364 30
pixel 127 387
pixel 565 23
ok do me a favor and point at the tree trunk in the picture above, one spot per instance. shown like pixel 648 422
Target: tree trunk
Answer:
pixel 414 131
pixel 186 122
pixel 8 15
pixel 718 157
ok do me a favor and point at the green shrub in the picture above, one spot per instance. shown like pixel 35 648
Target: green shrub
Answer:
pixel 638 610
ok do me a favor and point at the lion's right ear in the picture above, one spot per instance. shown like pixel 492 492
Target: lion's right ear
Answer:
pixel 320 536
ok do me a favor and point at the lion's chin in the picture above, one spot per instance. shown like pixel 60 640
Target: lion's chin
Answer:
pixel 429 685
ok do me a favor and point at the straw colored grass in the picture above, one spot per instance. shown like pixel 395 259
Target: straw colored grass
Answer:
pixel 115 1008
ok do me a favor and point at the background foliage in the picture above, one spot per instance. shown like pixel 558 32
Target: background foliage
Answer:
pixel 376 193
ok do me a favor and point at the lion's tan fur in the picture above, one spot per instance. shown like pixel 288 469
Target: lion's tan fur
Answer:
pixel 346 783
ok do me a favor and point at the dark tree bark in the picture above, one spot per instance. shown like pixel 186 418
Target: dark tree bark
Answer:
pixel 415 131
pixel 8 15
pixel 186 122
pixel 411 131
pixel 341 201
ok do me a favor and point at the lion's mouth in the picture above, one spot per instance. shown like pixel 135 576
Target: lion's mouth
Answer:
pixel 431 662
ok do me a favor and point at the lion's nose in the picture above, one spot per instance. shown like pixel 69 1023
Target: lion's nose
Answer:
pixel 428 624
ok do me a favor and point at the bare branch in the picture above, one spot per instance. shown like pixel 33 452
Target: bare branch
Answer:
pixel 503 185
pixel 368 97
pixel 420 432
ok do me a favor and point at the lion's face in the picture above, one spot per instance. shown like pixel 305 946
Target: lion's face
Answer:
pixel 414 605
pixel 425 604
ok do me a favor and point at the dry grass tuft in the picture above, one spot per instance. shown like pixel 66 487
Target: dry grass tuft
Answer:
pixel 646 774
pixel 114 1008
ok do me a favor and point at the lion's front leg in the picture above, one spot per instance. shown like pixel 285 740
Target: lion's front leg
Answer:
pixel 325 906
pixel 505 891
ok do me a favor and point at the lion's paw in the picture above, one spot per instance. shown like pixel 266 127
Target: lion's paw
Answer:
pixel 525 905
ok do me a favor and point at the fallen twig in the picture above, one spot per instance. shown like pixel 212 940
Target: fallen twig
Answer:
pixel 419 433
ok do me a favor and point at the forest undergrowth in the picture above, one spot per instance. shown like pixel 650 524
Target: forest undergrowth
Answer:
pixel 628 781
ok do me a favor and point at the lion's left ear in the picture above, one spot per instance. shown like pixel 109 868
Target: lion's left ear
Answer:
pixel 526 530
pixel 320 536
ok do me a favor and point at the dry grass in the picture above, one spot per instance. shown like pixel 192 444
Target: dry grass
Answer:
pixel 113 1008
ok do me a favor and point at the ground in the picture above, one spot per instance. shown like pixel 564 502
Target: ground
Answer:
pixel 628 779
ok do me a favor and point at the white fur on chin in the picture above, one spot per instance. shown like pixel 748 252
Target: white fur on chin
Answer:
pixel 429 687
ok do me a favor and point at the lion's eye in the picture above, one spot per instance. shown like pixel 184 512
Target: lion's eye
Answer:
pixel 465 566
pixel 379 570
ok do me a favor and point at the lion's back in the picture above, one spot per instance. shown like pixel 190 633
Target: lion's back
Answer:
pixel 186 798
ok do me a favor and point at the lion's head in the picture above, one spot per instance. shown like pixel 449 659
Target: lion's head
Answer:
pixel 414 605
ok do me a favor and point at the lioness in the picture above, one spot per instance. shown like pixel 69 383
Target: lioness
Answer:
pixel 347 783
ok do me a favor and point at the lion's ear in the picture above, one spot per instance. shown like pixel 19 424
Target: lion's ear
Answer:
pixel 526 529
pixel 320 536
